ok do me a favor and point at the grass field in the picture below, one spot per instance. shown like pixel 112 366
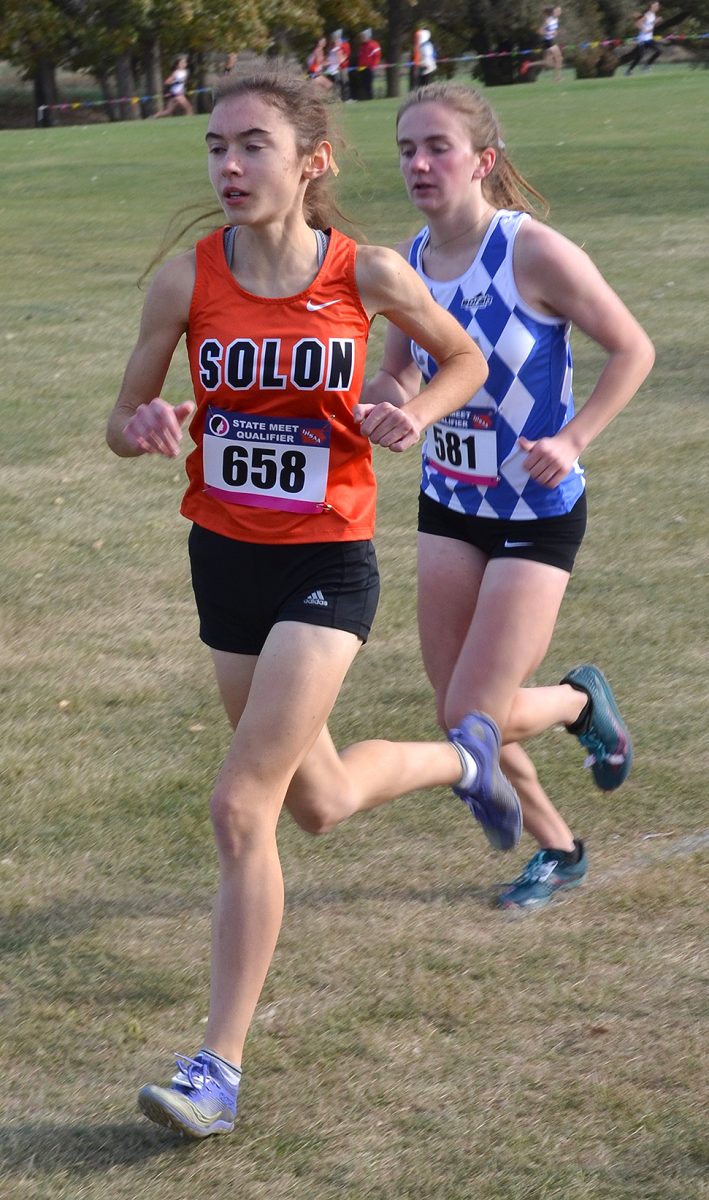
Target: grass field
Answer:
pixel 412 1041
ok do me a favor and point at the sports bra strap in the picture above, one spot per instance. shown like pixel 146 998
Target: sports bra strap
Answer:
pixel 322 238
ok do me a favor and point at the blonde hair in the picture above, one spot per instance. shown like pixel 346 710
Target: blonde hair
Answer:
pixel 504 187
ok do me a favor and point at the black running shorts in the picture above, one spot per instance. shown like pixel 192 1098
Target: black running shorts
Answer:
pixel 243 589
pixel 551 540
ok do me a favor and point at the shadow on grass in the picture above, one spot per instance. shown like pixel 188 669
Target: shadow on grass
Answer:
pixel 45 1148
pixel 68 918
pixel 71 918
pixel 316 897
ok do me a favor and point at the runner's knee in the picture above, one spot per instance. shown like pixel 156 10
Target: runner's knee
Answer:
pixel 241 818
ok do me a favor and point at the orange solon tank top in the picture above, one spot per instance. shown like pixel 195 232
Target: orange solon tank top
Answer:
pixel 278 457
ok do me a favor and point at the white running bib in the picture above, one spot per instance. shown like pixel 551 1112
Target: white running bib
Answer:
pixel 266 461
pixel 463 446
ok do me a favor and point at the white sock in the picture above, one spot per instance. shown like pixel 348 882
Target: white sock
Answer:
pixel 469 765
pixel 231 1071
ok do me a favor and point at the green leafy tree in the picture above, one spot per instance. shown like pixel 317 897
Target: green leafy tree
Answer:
pixel 36 36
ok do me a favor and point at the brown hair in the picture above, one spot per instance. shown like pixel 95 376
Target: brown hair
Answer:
pixel 303 108
pixel 504 187
pixel 308 115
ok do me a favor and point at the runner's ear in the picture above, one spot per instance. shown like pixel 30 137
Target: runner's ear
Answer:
pixel 488 158
pixel 318 162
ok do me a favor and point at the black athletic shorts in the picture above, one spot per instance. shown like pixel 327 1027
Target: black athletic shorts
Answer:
pixel 551 540
pixel 243 589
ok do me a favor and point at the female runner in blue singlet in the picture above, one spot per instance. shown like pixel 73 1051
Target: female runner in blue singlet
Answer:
pixel 502 504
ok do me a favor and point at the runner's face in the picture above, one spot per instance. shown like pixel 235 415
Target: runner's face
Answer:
pixel 436 156
pixel 254 165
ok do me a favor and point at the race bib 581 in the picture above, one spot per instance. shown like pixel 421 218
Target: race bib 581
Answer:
pixel 464 446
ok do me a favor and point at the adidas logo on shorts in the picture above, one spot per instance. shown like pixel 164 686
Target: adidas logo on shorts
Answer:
pixel 316 597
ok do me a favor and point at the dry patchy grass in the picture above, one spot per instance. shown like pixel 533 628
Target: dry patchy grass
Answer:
pixel 411 1041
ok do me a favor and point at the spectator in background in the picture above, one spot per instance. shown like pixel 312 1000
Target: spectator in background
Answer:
pixel 230 63
pixel 177 101
pixel 369 56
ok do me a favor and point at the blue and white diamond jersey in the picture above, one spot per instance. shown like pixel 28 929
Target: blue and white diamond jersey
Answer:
pixel 472 462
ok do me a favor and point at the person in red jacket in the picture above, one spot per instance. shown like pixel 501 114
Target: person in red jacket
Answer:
pixel 369 56
pixel 276 307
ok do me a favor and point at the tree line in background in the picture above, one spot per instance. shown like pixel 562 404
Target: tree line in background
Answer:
pixel 127 47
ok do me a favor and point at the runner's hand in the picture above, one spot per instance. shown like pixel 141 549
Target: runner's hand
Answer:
pixel 156 427
pixel 548 461
pixel 386 425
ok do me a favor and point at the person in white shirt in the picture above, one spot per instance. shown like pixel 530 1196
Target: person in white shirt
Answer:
pixel 645 39
pixel 552 59
pixel 427 58
pixel 175 83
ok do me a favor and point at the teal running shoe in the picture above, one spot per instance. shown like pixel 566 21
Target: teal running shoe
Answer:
pixel 492 800
pixel 544 876
pixel 200 1100
pixel 603 732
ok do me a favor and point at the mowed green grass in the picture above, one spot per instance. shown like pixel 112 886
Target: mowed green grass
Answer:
pixel 411 1041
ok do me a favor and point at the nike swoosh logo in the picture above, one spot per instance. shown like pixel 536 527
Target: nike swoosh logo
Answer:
pixel 313 307
pixel 515 545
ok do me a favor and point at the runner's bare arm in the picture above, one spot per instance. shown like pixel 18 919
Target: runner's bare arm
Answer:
pixel 557 277
pixel 141 421
pixel 389 286
pixel 398 379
